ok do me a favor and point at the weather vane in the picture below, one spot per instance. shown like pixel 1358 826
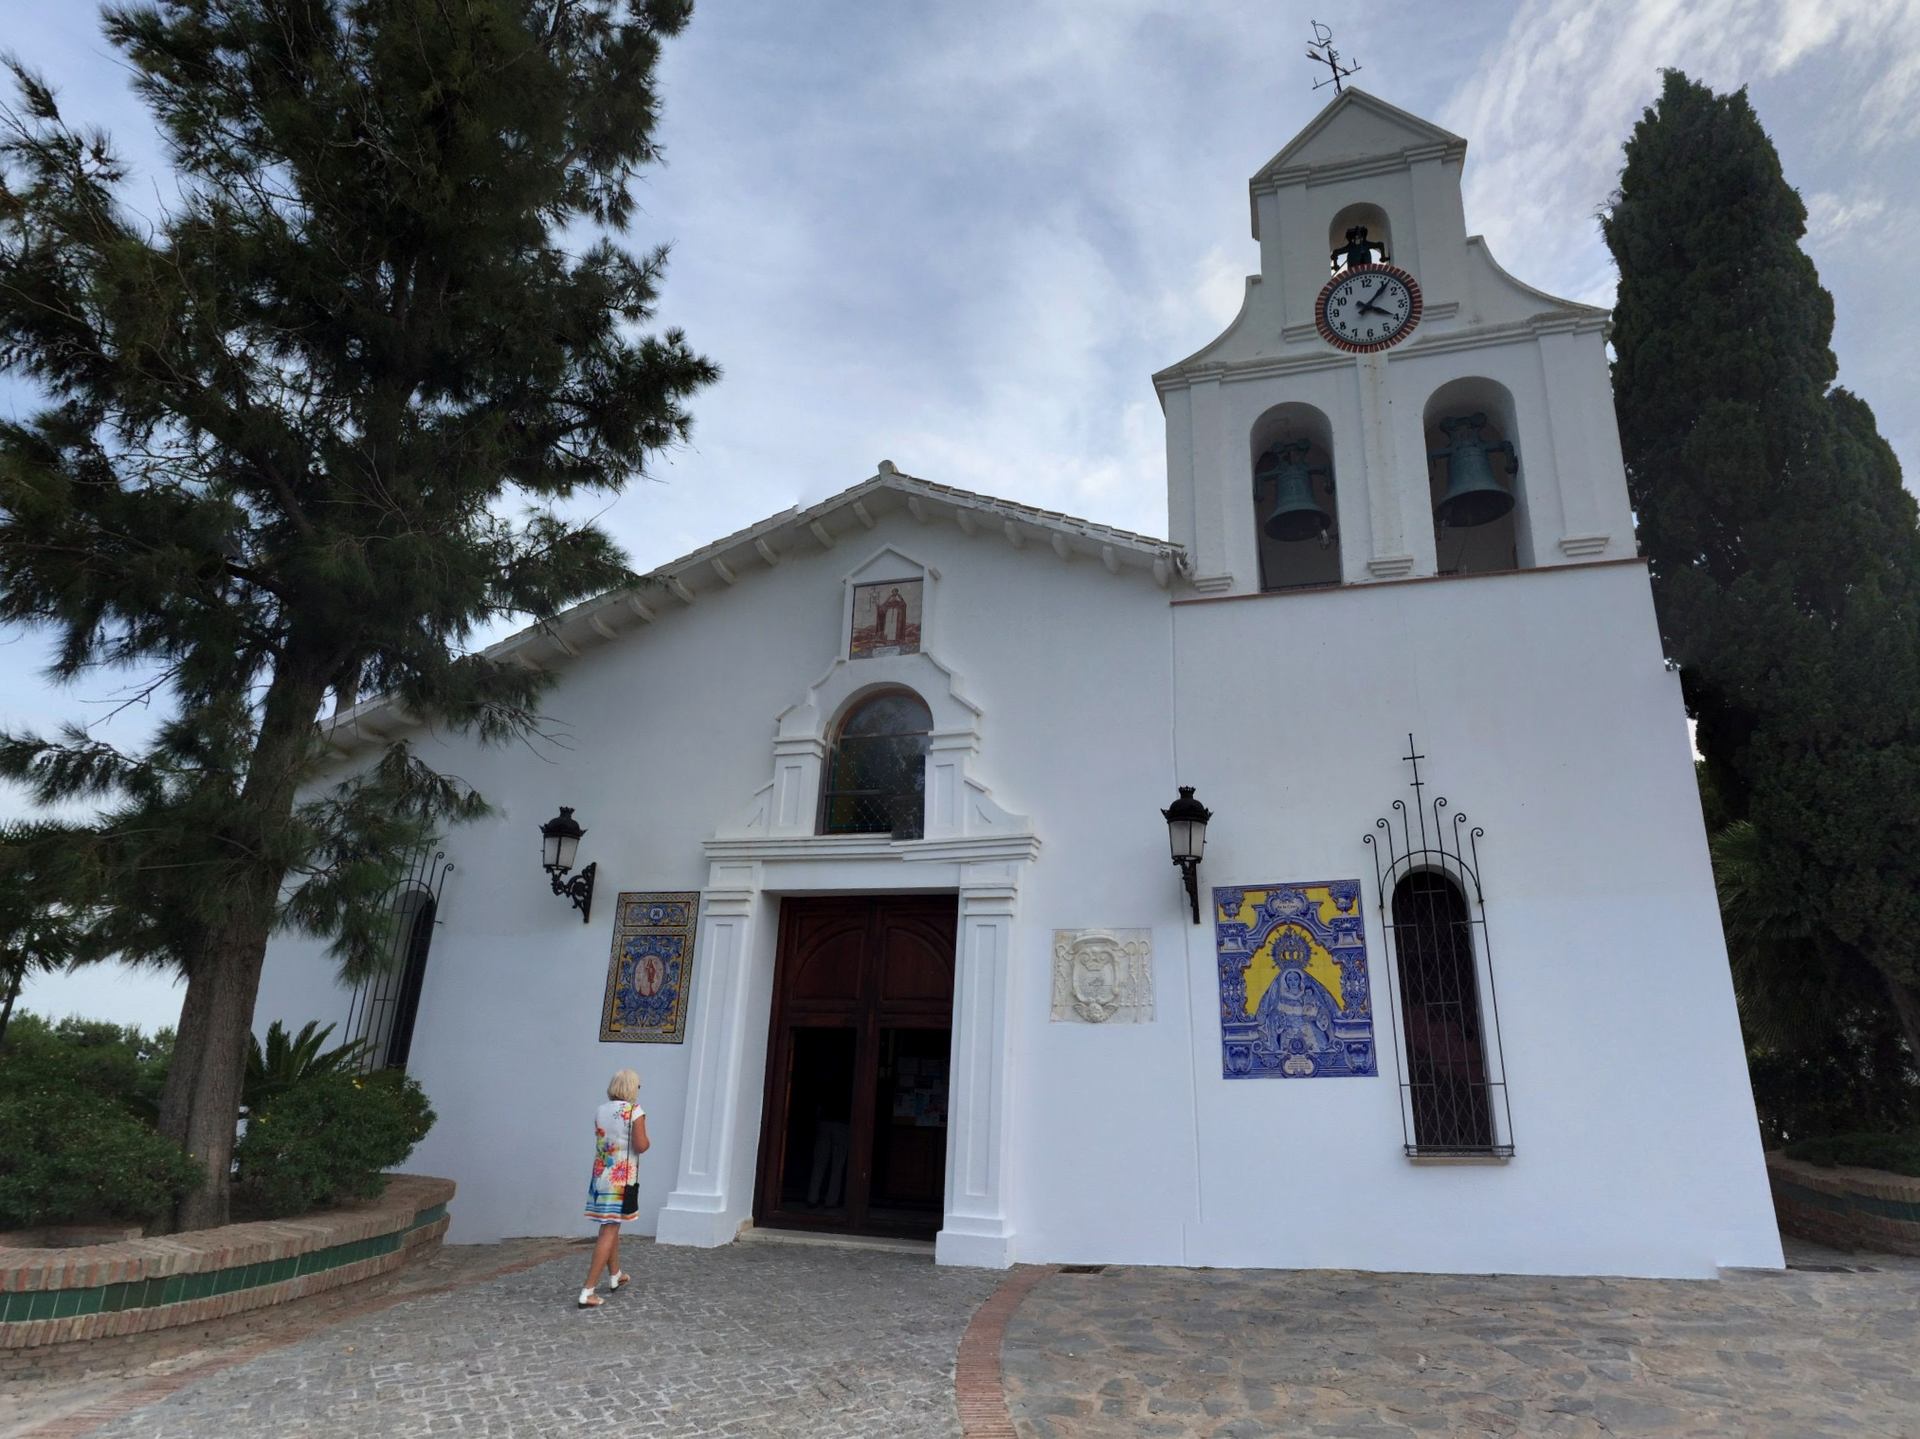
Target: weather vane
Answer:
pixel 1328 56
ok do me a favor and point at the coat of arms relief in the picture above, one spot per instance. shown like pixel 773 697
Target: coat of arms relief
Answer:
pixel 1103 976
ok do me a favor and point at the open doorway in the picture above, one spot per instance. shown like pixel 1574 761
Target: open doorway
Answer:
pixel 854 1135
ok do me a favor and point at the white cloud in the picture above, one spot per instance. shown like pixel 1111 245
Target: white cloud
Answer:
pixel 1554 98
pixel 1859 216
pixel 963 237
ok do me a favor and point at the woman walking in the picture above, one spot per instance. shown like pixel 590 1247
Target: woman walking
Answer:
pixel 613 1195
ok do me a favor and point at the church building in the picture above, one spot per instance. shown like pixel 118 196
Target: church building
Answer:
pixel 1323 885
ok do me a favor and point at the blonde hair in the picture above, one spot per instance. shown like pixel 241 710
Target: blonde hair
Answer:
pixel 624 1086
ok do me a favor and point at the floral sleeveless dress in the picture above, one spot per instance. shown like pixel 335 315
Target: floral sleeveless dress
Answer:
pixel 615 1166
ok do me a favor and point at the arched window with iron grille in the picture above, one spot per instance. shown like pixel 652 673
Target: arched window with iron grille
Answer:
pixel 1446 1011
pixel 877 773
pixel 1446 1062
pixel 386 1004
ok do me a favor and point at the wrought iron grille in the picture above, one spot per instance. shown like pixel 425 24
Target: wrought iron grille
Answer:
pixel 878 786
pixel 1453 1087
pixel 385 1005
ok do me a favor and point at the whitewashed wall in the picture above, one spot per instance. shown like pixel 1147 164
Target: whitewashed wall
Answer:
pixel 1545 712
pixel 1543 706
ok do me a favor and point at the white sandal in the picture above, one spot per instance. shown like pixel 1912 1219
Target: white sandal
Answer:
pixel 589 1300
pixel 619 1279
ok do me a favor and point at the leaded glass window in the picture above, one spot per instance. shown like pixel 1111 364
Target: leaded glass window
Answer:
pixel 876 774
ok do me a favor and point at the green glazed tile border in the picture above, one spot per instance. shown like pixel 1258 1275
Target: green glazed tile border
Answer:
pixel 1904 1210
pixel 23 1307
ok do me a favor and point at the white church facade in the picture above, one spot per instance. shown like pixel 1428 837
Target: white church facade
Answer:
pixel 883 910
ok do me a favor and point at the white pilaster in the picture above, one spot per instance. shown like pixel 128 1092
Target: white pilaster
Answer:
pixel 1575 445
pixel 796 783
pixel 1178 404
pixel 702 1211
pixel 978 1229
pixel 1437 221
pixel 948 754
pixel 1389 556
pixel 1212 484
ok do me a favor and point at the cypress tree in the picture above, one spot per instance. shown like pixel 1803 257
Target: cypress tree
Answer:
pixel 1784 553
pixel 304 431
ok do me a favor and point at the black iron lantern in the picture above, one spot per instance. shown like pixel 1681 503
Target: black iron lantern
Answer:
pixel 1187 836
pixel 559 846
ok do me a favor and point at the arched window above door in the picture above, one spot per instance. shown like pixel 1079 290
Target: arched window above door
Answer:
pixel 876 771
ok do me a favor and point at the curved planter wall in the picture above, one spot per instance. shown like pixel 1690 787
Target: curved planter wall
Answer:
pixel 53 1296
pixel 1845 1207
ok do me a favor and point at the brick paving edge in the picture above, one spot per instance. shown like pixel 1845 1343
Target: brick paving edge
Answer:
pixel 977 1387
pixel 84 1421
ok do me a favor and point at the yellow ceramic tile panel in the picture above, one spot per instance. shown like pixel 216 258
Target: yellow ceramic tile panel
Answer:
pixel 1261 971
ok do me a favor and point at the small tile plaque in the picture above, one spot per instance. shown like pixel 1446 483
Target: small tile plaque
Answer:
pixel 886 619
pixel 651 971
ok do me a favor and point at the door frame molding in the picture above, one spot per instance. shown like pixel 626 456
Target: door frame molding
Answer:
pixel 712 1199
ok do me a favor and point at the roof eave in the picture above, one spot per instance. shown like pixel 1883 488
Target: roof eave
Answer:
pixel 680 583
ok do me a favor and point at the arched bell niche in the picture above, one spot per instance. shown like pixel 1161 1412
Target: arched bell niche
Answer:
pixel 1290 459
pixel 1379 233
pixel 1479 509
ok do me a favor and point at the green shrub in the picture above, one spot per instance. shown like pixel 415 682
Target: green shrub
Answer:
pixel 288 1060
pixel 1896 1153
pixel 70 1159
pixel 327 1139
pixel 113 1062
pixel 1853 1082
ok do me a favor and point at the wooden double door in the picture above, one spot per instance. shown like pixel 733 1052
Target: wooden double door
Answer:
pixel 854 1137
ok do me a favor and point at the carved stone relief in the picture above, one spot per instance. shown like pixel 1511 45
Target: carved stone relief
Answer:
pixel 1103 976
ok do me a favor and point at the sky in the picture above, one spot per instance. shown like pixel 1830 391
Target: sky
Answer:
pixel 963 236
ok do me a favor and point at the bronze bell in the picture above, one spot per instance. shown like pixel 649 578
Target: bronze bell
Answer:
pixel 1295 515
pixel 1474 496
pixel 1359 250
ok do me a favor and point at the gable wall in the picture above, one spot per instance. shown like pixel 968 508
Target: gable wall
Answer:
pixel 661 739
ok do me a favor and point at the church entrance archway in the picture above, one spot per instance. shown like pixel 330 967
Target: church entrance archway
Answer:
pixel 854 1134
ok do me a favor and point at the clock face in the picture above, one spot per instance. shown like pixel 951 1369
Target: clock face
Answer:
pixel 1368 307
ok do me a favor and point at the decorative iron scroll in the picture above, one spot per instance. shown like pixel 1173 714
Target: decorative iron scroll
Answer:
pixel 385 1005
pixel 1446 1011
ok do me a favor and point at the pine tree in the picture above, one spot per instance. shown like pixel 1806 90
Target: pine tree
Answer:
pixel 305 430
pixel 1784 551
pixel 40 930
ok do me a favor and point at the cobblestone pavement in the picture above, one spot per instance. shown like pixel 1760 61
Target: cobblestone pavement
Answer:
pixel 113 1376
pixel 1226 1354
pixel 770 1339
pixel 759 1339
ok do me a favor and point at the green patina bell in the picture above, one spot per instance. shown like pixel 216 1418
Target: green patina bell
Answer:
pixel 1295 514
pixel 1474 496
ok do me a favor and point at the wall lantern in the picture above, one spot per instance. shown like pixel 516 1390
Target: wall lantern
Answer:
pixel 1187 833
pixel 559 844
